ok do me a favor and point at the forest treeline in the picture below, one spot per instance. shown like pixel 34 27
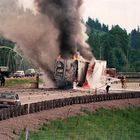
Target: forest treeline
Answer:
pixel 119 48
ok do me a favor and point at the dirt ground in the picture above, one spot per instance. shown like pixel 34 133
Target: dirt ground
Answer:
pixel 12 128
pixel 36 95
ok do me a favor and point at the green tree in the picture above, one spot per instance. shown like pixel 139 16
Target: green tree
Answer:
pixel 104 28
pixel 121 38
pixel 119 49
pixel 119 59
pixel 135 39
pixel 95 25
pixel 134 60
pixel 94 42
pixel 107 41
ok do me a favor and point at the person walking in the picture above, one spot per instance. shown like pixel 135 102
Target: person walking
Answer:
pixel 108 84
pixel 123 82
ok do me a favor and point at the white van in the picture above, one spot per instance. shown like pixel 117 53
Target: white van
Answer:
pixel 30 72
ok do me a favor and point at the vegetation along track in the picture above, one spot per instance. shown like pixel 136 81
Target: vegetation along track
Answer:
pixel 57 103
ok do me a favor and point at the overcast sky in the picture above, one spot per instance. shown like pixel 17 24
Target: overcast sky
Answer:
pixel 126 13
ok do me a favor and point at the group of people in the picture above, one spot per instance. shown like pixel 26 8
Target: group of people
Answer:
pixel 2 80
pixel 122 80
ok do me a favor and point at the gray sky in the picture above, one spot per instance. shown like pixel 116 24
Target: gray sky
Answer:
pixel 126 13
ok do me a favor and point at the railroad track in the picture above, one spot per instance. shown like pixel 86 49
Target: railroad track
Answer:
pixel 57 103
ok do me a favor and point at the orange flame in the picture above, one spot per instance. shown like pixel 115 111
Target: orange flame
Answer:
pixel 75 56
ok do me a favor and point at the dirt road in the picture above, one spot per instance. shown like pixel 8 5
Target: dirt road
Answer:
pixel 36 95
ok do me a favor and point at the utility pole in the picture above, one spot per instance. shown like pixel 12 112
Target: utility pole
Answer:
pixel 100 49
pixel 100 52
pixel 127 59
pixel 37 80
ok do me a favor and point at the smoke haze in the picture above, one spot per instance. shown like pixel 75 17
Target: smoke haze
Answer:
pixel 49 29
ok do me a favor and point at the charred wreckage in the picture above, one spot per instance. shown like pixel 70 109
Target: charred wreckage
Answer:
pixel 78 72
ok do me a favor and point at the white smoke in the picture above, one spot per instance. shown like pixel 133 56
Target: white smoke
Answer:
pixel 26 4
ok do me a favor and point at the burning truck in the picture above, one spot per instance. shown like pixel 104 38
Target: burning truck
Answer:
pixel 80 73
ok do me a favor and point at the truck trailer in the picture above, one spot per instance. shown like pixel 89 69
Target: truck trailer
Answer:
pixel 87 74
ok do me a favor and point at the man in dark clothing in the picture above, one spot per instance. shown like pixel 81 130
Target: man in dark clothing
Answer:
pixel 123 81
pixel 108 85
pixel 2 80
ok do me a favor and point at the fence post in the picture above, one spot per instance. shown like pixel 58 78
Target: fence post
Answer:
pixel 27 134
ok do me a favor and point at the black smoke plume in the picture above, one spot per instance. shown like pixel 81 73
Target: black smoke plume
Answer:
pixel 66 17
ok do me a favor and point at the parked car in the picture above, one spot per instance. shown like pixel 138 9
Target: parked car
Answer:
pixel 5 71
pixel 8 99
pixel 19 73
pixel 30 72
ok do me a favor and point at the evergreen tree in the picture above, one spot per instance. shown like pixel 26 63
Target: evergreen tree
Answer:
pixel 135 38
pixel 104 28
pixel 121 38
pixel 94 42
pixel 95 25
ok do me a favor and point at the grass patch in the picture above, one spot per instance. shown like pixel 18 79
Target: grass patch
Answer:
pixel 18 82
pixel 104 124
